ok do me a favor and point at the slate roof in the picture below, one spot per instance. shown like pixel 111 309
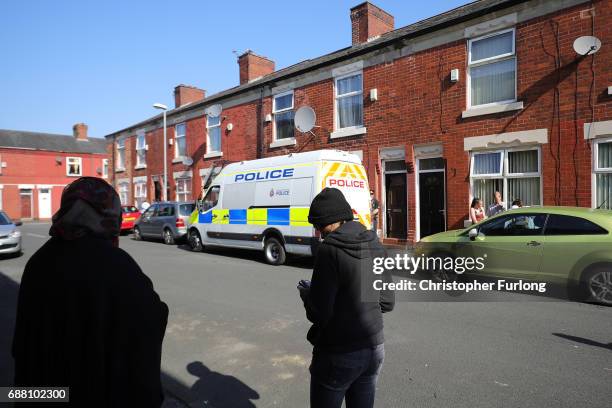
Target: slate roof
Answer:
pixel 50 142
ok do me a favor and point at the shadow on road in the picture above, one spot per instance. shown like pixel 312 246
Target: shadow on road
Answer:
pixel 210 389
pixel 9 290
pixel 582 340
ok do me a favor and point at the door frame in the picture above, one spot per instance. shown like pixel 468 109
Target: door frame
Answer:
pixel 417 232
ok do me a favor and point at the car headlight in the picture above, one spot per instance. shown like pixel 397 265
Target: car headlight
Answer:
pixel 15 234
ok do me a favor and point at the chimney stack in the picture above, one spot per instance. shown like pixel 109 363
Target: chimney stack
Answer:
pixel 80 131
pixel 369 21
pixel 253 66
pixel 184 94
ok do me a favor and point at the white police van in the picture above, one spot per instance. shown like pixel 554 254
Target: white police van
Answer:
pixel 263 204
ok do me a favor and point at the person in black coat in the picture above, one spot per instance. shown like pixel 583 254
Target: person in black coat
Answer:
pixel 345 309
pixel 87 316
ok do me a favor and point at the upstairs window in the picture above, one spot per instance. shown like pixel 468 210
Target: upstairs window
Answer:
pixel 105 168
pixel 73 166
pixel 213 130
pixel 492 69
pixel 180 143
pixel 141 146
pixel 120 154
pixel 282 110
pixel 349 101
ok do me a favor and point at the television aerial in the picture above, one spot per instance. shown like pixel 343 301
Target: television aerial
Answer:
pixel 586 45
pixel 213 110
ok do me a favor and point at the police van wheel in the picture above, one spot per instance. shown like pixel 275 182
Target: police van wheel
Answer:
pixel 274 251
pixel 195 241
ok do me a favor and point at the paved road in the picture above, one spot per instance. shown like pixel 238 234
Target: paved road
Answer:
pixel 236 338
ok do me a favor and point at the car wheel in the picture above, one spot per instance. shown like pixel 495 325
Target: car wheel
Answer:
pixel 597 284
pixel 195 241
pixel 274 251
pixel 168 237
pixel 137 234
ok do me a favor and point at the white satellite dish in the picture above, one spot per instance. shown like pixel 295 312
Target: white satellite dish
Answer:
pixel 187 161
pixel 214 110
pixel 305 118
pixel 586 45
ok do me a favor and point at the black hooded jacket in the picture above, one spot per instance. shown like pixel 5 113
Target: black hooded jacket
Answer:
pixel 345 309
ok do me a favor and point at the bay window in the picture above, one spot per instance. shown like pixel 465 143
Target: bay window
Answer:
pixel 349 101
pixel 213 131
pixel 141 150
pixel 492 69
pixel 603 173
pixel 180 143
pixel 515 173
pixel 282 109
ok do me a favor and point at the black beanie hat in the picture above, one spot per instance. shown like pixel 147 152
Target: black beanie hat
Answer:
pixel 328 207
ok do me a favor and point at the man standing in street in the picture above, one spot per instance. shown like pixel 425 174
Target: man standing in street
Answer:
pixel 345 309
pixel 498 205
pixel 374 211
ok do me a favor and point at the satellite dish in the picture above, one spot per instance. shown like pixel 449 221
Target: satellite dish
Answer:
pixel 187 161
pixel 305 119
pixel 214 110
pixel 586 45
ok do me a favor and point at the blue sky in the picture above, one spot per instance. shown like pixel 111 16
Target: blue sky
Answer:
pixel 106 62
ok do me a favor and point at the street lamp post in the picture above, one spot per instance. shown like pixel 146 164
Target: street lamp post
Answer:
pixel 164 108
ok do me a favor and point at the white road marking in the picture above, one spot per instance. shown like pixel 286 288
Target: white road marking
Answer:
pixel 35 235
pixel 500 383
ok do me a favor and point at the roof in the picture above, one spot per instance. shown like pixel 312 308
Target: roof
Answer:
pixel 19 139
pixel 454 16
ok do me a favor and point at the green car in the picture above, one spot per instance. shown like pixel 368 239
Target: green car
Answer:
pixel 567 246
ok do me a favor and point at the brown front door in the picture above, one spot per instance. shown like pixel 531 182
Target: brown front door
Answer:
pixel 395 205
pixel 26 203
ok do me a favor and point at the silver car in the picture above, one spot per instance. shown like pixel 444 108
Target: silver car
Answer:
pixel 166 220
pixel 10 236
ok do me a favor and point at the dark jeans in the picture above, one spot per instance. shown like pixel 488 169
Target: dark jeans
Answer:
pixel 353 375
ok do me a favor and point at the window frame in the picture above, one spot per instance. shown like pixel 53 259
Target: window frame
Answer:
pixel 124 188
pixel 142 149
pixel 120 165
pixel 208 127
pixel 80 163
pixel 485 61
pixel 177 154
pixel 275 112
pixel 105 168
pixel 596 168
pixel 186 182
pixel 488 175
pixel 347 95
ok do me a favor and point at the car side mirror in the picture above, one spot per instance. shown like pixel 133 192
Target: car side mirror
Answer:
pixel 473 233
pixel 18 223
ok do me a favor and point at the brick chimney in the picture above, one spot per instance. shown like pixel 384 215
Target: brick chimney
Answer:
pixel 369 21
pixel 80 131
pixel 253 66
pixel 184 94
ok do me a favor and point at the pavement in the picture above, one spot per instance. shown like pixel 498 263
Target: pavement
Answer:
pixel 236 338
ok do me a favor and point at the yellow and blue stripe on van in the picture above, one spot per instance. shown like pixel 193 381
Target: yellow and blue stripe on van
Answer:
pixel 294 216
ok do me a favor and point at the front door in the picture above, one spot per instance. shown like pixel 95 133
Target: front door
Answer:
pixel 44 203
pixel 25 197
pixel 395 205
pixel 432 197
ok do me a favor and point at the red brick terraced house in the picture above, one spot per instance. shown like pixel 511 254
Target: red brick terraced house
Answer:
pixel 488 96
pixel 35 168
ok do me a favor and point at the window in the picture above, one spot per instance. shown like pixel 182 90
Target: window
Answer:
pixel 213 130
pixel 140 194
pixel 514 173
pixel 120 165
pixel 603 174
pixel 105 168
pixel 186 209
pixel 492 69
pixel 283 116
pixel 180 143
pixel 513 225
pixel 124 193
pixel 166 210
pixel 73 166
pixel 211 199
pixel 151 211
pixel 567 225
pixel 349 101
pixel 183 189
pixel 141 146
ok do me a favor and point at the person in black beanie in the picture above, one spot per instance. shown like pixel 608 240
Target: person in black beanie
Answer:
pixel 345 309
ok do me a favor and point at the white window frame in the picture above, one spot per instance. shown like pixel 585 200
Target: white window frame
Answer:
pixel 124 188
pixel 141 148
pixel 502 164
pixel 186 182
pixel 208 144
pixel 485 61
pixel 105 168
pixel 80 163
pixel 177 154
pixel 275 112
pixel 120 165
pixel 598 170
pixel 337 97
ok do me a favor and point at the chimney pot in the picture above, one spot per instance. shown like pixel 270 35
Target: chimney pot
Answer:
pixel 369 21
pixel 79 131
pixel 253 66
pixel 184 94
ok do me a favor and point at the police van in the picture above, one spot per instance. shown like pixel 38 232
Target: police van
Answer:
pixel 263 204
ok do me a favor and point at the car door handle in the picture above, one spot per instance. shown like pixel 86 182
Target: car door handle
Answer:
pixel 534 243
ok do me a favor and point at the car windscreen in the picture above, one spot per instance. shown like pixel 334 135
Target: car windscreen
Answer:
pixel 129 209
pixel 186 209
pixel 4 219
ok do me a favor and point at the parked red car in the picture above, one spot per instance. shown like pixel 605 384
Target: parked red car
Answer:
pixel 129 215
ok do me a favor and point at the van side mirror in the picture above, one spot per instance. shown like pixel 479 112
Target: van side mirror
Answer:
pixel 473 233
